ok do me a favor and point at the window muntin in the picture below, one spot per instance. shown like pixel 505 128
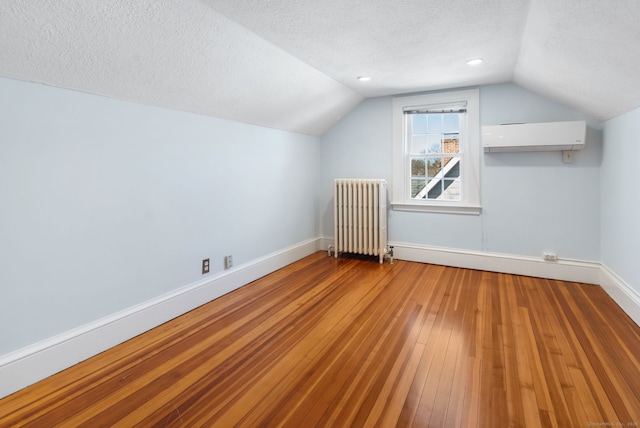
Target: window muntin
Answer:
pixel 436 152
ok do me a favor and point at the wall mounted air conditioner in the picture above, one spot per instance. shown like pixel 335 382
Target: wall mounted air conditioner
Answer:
pixel 534 137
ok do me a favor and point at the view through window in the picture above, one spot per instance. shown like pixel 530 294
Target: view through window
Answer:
pixel 435 154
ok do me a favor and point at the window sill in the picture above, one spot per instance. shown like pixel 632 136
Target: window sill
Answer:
pixel 444 209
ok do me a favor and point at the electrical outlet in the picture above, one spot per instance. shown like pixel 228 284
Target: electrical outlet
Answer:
pixel 205 266
pixel 550 257
pixel 567 156
pixel 228 262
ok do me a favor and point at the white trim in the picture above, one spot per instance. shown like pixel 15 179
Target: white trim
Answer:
pixel 567 270
pixel 471 167
pixel 444 209
pixel 28 365
pixel 621 292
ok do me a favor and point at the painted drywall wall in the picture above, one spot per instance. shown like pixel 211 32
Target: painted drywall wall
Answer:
pixel 531 202
pixel 620 204
pixel 106 203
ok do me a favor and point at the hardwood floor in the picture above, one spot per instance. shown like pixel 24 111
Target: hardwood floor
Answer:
pixel 327 342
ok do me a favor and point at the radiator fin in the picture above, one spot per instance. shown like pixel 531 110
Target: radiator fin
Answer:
pixel 360 217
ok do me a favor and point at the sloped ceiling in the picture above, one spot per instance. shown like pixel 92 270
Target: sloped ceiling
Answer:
pixel 292 64
pixel 180 54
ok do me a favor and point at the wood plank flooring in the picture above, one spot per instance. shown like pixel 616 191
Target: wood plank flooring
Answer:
pixel 326 342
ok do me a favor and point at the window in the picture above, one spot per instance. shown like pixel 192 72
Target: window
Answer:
pixel 436 152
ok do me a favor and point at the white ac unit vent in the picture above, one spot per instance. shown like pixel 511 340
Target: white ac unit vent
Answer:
pixel 534 137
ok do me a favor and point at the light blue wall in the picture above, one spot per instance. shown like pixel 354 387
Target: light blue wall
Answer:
pixel 532 202
pixel 620 203
pixel 105 204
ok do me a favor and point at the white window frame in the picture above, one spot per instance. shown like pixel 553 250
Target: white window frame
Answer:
pixel 469 146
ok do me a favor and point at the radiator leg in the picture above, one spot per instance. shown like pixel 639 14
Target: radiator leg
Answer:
pixel 330 250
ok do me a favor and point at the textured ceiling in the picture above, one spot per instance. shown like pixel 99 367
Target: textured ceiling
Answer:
pixel 292 64
pixel 583 53
pixel 405 46
pixel 179 54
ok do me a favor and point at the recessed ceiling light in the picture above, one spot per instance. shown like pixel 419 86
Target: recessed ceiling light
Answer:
pixel 475 61
pixel 364 78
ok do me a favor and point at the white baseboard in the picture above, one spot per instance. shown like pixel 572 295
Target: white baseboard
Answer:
pixel 28 365
pixel 621 292
pixel 566 270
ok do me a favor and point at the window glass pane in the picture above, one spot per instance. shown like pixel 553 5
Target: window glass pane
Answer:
pixel 452 167
pixel 451 122
pixel 419 144
pixel 434 143
pixel 417 186
pixel 434 188
pixel 451 190
pixel 418 167
pixel 419 123
pixel 435 122
pixel 434 165
pixel 451 143
pixel 436 151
